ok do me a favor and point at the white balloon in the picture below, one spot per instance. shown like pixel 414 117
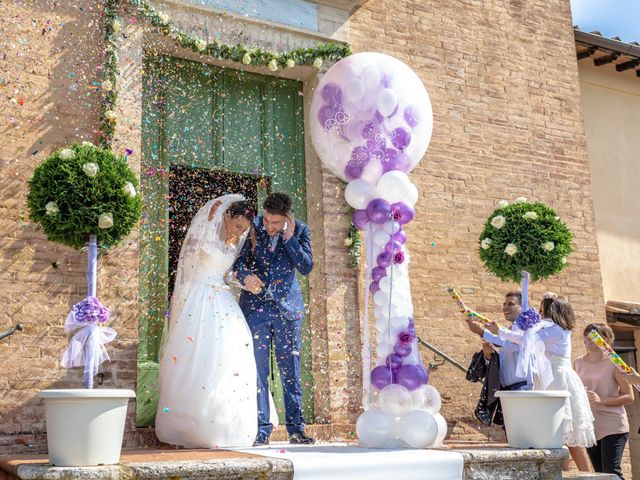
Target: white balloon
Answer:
pixel 381 298
pixel 359 193
pixel 372 172
pixel 387 102
pixel 354 90
pixel 374 428
pixel 412 195
pixel 382 323
pixel 372 77
pixel 383 350
pixel 385 284
pixel 442 430
pixel 394 444
pixel 380 238
pixel 394 399
pixel 433 400
pixel 394 186
pixel 417 429
pixel 392 227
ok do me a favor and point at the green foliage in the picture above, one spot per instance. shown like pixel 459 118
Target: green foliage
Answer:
pixel 530 237
pixel 80 199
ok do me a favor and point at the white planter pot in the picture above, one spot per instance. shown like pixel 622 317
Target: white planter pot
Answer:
pixel 85 427
pixel 533 419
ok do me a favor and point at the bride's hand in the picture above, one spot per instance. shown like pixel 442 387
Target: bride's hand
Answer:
pixel 213 210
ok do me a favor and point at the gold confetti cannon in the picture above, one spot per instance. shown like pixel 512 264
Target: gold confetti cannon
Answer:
pixel 463 308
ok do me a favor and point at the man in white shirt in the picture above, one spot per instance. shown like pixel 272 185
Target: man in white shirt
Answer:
pixel 509 351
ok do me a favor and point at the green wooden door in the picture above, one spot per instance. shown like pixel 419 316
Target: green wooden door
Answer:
pixel 207 117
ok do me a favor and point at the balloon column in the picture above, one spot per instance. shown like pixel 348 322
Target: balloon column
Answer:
pixel 371 123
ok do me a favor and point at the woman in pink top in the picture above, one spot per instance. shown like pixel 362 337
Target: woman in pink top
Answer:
pixel 608 393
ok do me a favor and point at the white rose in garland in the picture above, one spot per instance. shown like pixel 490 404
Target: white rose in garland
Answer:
pixel 273 65
pixel 201 45
pixel 290 63
pixel 317 62
pixel 246 58
pixel 524 236
pixel 164 18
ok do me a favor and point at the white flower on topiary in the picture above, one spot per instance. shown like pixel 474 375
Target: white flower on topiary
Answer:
pixel 201 45
pixel 88 144
pixel 67 153
pixel 291 63
pixel 105 221
pixel 486 243
pixel 530 216
pixel 502 204
pixel 246 58
pixel 548 246
pixel 563 260
pixel 129 189
pixel 317 62
pixel 521 200
pixel 273 65
pixel 498 222
pixel 90 169
pixel 511 249
pixel 51 208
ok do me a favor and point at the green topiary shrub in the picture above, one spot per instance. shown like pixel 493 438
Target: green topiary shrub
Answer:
pixel 525 236
pixel 83 190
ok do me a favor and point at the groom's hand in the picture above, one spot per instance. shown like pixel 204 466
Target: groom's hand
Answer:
pixel 253 284
pixel 291 227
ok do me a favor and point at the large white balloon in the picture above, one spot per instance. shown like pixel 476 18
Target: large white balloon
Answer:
pixel 370 106
pixel 395 186
pixel 394 399
pixel 427 398
pixel 359 193
pixel 417 428
pixel 442 430
pixel 374 428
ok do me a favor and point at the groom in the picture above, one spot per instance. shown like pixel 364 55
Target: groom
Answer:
pixel 272 304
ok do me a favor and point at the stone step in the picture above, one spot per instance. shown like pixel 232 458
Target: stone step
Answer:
pixel 478 463
pixel 588 476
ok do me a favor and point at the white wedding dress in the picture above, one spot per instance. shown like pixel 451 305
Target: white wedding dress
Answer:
pixel 207 370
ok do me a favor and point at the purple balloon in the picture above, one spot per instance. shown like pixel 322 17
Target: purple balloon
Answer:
pixel 378 273
pixel 400 138
pixel 393 246
pixel 412 376
pixel 394 361
pixel 360 219
pixel 411 116
pixel 369 128
pixel 390 160
pixel 411 325
pixel 402 349
pixel 381 376
pixel 374 287
pixel 402 212
pixel 360 156
pixel 378 210
pixel 332 93
pixel 384 259
pixel 353 172
pixel 400 237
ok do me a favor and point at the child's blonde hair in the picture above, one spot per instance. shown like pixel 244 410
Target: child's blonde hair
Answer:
pixel 559 310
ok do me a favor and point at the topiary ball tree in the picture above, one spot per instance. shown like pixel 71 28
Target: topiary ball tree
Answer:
pixel 83 195
pixel 84 190
pixel 524 236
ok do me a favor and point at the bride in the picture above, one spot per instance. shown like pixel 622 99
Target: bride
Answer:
pixel 207 367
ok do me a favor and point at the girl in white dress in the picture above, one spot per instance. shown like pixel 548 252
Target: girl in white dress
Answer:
pixel 545 354
pixel 207 367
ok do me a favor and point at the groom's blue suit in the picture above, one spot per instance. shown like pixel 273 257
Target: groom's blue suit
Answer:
pixel 277 312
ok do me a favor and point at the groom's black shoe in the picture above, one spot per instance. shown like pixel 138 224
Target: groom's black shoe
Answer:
pixel 299 438
pixel 261 441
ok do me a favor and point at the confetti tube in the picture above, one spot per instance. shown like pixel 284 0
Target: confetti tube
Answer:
pixel 611 353
pixel 463 308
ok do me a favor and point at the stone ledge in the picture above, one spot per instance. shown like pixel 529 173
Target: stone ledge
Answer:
pixel 492 463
